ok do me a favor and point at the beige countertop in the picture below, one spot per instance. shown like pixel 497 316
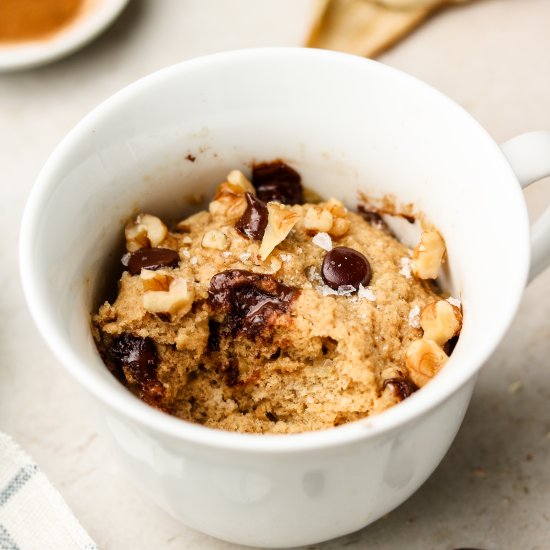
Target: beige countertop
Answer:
pixel 492 490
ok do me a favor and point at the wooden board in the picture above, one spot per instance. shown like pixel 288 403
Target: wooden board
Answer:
pixel 367 27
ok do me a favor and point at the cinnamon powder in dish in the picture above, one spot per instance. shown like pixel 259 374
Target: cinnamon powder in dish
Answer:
pixel 27 20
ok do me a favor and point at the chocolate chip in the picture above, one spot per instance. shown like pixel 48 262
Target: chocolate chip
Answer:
pixel 402 387
pixel 276 181
pixel 253 222
pixel 231 372
pixel 251 301
pixel 271 416
pixel 372 217
pixel 136 356
pixel 152 258
pixel 213 335
pixel 152 393
pixel 449 346
pixel 114 367
pixel 344 266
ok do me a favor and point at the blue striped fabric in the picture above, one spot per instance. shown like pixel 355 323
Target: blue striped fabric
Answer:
pixel 6 542
pixel 33 515
pixel 22 476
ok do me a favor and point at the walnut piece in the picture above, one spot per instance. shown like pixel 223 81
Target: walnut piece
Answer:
pixel 440 321
pixel 330 217
pixel 229 200
pixel 165 294
pixel 424 359
pixel 318 219
pixel 236 177
pixel 428 255
pixel 155 280
pixel 144 232
pixel 280 220
pixel 215 239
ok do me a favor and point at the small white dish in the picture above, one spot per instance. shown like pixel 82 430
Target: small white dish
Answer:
pixel 95 17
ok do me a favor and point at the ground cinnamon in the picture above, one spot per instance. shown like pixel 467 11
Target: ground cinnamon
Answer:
pixel 26 20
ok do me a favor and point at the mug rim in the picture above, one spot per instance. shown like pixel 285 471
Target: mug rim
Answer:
pixel 129 406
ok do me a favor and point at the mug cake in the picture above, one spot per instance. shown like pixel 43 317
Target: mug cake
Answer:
pixel 274 311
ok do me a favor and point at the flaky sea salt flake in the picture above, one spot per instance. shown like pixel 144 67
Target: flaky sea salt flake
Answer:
pixel 346 290
pixel 313 275
pixel 366 293
pixel 323 241
pixel 414 317
pixel 327 291
pixel 454 302
pixel 406 268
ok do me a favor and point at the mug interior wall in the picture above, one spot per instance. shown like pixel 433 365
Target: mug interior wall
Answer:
pixel 346 125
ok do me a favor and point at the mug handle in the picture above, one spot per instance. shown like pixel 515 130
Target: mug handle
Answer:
pixel 529 156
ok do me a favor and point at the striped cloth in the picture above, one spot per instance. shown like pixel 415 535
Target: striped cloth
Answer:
pixel 33 515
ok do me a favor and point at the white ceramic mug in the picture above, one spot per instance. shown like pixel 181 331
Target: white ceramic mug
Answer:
pixel 346 124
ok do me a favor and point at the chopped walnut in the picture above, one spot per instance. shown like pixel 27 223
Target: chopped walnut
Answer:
pixel 424 359
pixel 236 177
pixel 330 217
pixel 215 239
pixel 165 294
pixel 428 255
pixel 440 321
pixel 229 200
pixel 281 219
pixel 144 232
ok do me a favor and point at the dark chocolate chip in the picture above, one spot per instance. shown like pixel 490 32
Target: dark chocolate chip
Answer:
pixel 213 335
pixel 152 258
pixel 271 416
pixel 276 181
pixel 372 217
pixel 402 387
pixel 253 222
pixel 136 356
pixel 449 347
pixel 344 266
pixel 231 372
pixel 251 301
pixel 114 367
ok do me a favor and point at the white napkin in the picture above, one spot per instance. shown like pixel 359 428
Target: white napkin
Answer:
pixel 33 515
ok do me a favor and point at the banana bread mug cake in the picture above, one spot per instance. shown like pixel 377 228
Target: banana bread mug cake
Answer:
pixel 267 313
